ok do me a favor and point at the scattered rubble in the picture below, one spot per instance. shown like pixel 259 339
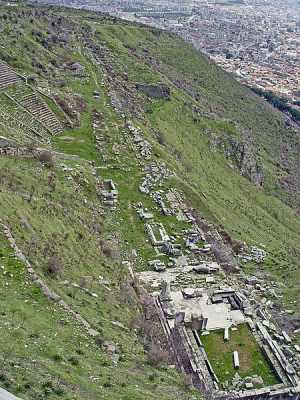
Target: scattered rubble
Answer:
pixel 253 254
pixel 157 265
pixel 158 91
pixel 156 173
pixel 108 192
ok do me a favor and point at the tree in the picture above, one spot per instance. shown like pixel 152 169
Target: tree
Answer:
pixel 46 157
pixel 54 266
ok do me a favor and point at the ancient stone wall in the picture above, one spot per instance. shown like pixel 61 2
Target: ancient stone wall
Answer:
pixel 159 91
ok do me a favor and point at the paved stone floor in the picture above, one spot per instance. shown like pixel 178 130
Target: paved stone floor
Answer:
pixel 4 395
pixel 220 316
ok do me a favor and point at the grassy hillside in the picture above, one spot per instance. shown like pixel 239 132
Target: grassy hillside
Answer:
pixel 45 353
pixel 199 133
pixel 252 214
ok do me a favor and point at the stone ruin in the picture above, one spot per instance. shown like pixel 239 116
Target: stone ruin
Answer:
pixel 253 254
pixel 187 312
pixel 157 265
pixel 7 76
pixel 156 173
pixel 143 213
pixel 157 241
pixel 98 131
pixel 206 268
pixel 157 196
pixel 27 109
pixel 109 193
pixel 13 151
pixel 34 103
pixel 143 147
pixel 76 68
pixel 10 148
pixel 155 91
pixel 161 240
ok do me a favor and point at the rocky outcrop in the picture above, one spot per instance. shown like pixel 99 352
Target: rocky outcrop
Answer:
pixel 158 91
pixel 243 154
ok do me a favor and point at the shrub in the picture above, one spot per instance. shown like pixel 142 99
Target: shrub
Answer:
pixel 74 360
pixel 65 107
pixel 98 229
pixel 157 356
pixel 46 157
pixel 32 80
pixel 187 381
pixel 80 103
pixel 108 251
pixel 57 357
pixel 146 300
pixel 59 391
pixel 153 377
pixel 99 340
pixel 144 326
pixel 161 138
pixel 54 266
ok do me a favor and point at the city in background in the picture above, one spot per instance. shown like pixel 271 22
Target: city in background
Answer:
pixel 256 40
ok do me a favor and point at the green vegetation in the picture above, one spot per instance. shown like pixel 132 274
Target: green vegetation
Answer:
pixel 210 181
pixel 45 353
pixel 279 102
pixel 57 217
pixel 252 360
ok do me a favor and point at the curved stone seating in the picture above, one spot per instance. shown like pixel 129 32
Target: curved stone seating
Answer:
pixel 20 123
pixel 32 102
pixel 7 76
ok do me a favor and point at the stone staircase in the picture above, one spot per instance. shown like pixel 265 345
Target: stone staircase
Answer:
pixel 38 108
pixel 26 98
pixel 19 122
pixel 7 76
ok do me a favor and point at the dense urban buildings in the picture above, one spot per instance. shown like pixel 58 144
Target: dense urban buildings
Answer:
pixel 257 40
pixel 260 44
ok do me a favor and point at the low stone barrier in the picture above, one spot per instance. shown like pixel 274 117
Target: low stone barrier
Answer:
pixel 49 293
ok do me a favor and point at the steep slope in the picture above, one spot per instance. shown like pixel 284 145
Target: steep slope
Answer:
pixel 223 149
pixel 198 134
pixel 264 143
pixel 46 350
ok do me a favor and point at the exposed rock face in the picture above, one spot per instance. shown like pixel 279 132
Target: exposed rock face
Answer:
pixel 159 91
pixel 243 155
